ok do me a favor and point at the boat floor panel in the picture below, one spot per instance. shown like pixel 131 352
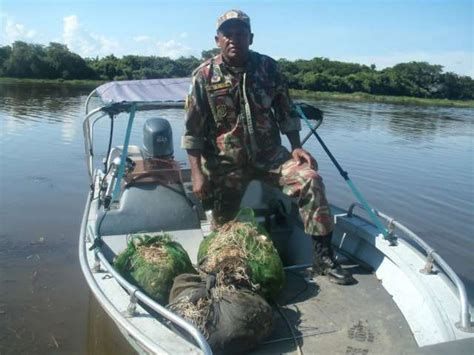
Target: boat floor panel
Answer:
pixel 325 317
pixel 458 347
pixel 332 319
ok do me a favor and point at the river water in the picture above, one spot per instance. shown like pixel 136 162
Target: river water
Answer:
pixel 413 163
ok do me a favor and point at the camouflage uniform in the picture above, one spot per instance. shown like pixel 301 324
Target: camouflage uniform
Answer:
pixel 234 116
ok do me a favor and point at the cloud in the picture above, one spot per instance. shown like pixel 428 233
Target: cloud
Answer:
pixel 13 31
pixel 71 26
pixel 89 44
pixel 459 62
pixel 84 42
pixel 140 39
pixel 146 45
pixel 173 49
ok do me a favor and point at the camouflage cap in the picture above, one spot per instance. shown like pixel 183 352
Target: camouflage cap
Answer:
pixel 233 15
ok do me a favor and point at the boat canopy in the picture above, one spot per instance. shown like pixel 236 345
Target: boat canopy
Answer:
pixel 131 96
pixel 118 96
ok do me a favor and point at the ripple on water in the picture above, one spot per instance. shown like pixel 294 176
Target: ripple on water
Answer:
pixel 413 163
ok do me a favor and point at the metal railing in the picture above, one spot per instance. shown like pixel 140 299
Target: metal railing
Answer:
pixel 134 293
pixel 464 323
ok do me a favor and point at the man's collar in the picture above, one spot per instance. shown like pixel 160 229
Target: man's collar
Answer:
pixel 224 66
pixel 218 59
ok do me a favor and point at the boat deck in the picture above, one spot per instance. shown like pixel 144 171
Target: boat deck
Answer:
pixel 327 318
pixel 331 319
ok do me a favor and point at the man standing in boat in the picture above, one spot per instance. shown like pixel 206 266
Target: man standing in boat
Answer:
pixel 237 106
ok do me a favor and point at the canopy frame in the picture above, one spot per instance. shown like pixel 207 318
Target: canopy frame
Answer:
pixel 130 96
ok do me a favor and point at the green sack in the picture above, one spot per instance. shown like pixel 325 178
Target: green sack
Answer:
pixel 243 244
pixel 152 263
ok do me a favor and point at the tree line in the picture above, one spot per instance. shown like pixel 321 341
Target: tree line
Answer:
pixel 417 79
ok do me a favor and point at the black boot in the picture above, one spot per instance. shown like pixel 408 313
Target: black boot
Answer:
pixel 325 262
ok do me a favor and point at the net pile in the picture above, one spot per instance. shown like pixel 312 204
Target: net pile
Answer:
pixel 152 263
pixel 242 250
pixel 239 270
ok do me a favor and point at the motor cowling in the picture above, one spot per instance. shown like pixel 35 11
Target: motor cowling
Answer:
pixel 157 138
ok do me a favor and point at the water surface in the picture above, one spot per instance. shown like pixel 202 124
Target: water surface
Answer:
pixel 413 163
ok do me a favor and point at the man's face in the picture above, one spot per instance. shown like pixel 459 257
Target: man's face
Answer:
pixel 234 39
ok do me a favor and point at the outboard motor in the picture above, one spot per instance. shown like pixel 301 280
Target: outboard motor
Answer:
pixel 158 138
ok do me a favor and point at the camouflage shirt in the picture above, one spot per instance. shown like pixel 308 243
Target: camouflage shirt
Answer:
pixel 234 116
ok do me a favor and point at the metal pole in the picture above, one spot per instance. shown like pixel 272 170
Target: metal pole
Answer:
pixel 345 175
pixel 116 193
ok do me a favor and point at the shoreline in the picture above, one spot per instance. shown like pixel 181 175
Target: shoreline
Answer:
pixel 364 97
pixel 302 94
pixel 4 80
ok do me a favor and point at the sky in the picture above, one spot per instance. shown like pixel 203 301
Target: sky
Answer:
pixel 380 32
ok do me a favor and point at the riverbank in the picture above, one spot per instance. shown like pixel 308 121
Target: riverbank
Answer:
pixel 364 97
pixel 51 81
pixel 305 94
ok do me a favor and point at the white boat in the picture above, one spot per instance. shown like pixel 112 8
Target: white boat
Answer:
pixel 407 299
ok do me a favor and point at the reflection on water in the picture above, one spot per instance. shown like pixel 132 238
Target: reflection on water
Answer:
pixel 42 293
pixel 425 125
pixel 413 129
pixel 414 163
pixel 410 123
pixel 103 335
pixel 22 101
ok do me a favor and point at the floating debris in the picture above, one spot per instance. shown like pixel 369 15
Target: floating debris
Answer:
pixel 55 341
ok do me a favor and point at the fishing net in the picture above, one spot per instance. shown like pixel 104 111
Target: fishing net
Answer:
pixel 152 263
pixel 242 249
pixel 232 319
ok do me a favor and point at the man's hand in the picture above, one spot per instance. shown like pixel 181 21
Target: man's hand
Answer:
pixel 298 153
pixel 302 156
pixel 200 185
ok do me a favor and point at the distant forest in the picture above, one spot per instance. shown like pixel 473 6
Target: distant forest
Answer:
pixel 416 79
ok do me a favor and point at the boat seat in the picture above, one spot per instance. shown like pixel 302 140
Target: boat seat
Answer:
pixel 264 199
pixel 153 199
pixel 134 152
pixel 149 208
pixel 279 215
pixel 153 171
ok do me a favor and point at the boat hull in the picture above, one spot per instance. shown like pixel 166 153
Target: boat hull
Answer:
pixel 427 304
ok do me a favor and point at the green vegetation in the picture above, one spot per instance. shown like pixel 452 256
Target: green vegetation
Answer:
pixel 413 80
pixel 88 82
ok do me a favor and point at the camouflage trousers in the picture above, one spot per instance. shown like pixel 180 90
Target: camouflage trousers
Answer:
pixel 300 182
